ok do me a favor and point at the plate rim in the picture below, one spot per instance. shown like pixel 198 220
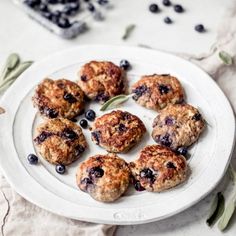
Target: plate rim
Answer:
pixel 129 221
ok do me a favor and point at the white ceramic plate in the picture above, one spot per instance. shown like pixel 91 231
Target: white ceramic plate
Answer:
pixel 42 186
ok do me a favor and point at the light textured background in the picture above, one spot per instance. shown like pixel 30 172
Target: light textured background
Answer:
pixel 20 34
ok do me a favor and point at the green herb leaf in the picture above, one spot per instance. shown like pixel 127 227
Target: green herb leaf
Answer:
pixel 225 218
pixel 114 102
pixel 128 31
pixel 226 58
pixel 217 209
pixel 11 63
pixel 232 173
pixel 13 75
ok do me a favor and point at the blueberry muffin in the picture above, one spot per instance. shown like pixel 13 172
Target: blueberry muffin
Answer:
pixel 117 131
pixel 59 98
pixel 157 91
pixel 101 80
pixel 60 141
pixel 158 168
pixel 178 126
pixel 103 177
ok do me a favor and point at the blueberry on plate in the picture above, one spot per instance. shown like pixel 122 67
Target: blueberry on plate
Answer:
pixel 91 7
pixel 124 64
pixel 153 8
pixel 90 115
pixel 83 123
pixel 167 20
pixel 178 8
pixel 60 169
pixel 182 151
pixel 63 22
pixel 199 28
pixel 32 159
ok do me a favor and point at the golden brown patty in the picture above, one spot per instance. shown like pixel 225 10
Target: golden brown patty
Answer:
pixel 178 126
pixel 60 141
pixel 59 98
pixel 158 168
pixel 101 80
pixel 157 91
pixel 117 131
pixel 104 177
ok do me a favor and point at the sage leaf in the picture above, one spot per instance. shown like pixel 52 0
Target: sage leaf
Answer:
pixel 2 110
pixel 232 173
pixel 217 209
pixel 11 63
pixel 114 102
pixel 226 58
pixel 12 76
pixel 229 210
pixel 128 31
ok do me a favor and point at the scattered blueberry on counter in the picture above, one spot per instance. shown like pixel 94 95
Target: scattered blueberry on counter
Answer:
pixel 167 20
pixel 90 115
pixel 199 28
pixel 32 159
pixel 124 64
pixel 153 8
pixel 83 123
pixel 60 169
pixel 178 8
pixel 166 3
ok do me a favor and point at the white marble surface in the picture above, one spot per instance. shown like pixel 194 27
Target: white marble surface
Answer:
pixel 20 34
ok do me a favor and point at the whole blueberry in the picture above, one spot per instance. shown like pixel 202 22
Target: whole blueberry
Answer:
pixel 102 2
pixel 96 172
pixel 69 134
pixel 32 159
pixel 182 151
pixel 153 8
pixel 43 7
pixel 199 28
pixel 51 113
pixel 138 186
pixel 178 8
pixel 83 123
pixel 63 22
pixel 124 64
pixel 69 98
pixel 60 169
pixel 166 3
pixel 163 89
pixel 170 165
pixel 197 117
pixel 90 115
pixel 167 20
pixel 91 7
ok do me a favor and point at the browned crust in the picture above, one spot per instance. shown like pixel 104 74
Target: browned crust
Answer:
pixel 112 184
pixel 111 138
pixel 153 98
pixel 101 77
pixel 184 131
pixel 49 94
pixel 56 149
pixel 156 157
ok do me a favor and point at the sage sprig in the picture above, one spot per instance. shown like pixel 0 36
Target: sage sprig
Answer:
pixel 12 70
pixel 226 58
pixel 115 101
pixel 217 209
pixel 230 206
pixel 128 31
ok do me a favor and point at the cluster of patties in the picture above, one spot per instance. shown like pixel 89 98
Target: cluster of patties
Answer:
pixel 106 177
pixel 117 131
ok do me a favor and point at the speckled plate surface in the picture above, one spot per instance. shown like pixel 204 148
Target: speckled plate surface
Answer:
pixel 42 186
